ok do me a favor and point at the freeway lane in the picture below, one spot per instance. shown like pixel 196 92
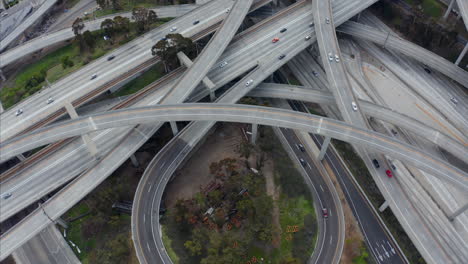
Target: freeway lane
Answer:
pixel 133 139
pixel 78 84
pixel 379 241
pixel 382 113
pixel 253 114
pixel 57 169
pixel 327 250
pixel 407 48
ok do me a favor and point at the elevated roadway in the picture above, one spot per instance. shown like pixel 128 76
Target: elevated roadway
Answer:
pixel 60 167
pixel 78 87
pixel 407 48
pixel 463 7
pixel 229 113
pixel 108 162
pixel 49 246
pixel 56 37
pixel 28 22
pixel 382 113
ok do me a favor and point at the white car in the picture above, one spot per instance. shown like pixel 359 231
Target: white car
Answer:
pixel 6 196
pixel 354 105
pixel 307 38
pixel 222 64
pixel 94 76
pixel 327 20
pixel 19 112
pixel 330 56
pixel 337 59
pixel 173 29
pixel 454 100
pixel 50 100
pixel 249 82
pixel 227 10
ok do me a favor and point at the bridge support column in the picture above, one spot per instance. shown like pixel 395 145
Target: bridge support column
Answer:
pixel 206 81
pixel 2 76
pixel 383 206
pixel 462 54
pixel 175 129
pixel 449 9
pixel 62 222
pixel 458 212
pixel 134 160
pixel 253 137
pixel 324 148
pixel 86 139
pixel 21 157
pixel 1 108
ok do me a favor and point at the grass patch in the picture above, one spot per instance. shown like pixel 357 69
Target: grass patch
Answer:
pixel 167 244
pixel 126 6
pixel 151 75
pixel 432 8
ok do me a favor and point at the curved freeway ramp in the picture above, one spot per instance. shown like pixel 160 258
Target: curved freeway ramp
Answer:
pixel 407 48
pixel 250 114
pixel 321 97
pixel 27 23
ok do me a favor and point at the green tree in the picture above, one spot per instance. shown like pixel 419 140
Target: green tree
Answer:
pixel 78 26
pixel 89 40
pixel 108 26
pixel 167 49
pixel 140 15
pixel 66 62
pixel 194 247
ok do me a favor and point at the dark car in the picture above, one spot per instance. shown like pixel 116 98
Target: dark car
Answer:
pixel 283 30
pixel 110 57
pixel 301 147
pixel 303 162
pixel 376 163
pixel 196 22
pixel 281 57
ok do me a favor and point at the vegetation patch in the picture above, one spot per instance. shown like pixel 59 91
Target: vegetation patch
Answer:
pixel 86 47
pixel 232 219
pixel 116 6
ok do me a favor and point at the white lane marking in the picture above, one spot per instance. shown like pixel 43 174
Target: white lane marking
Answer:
pixel 321 188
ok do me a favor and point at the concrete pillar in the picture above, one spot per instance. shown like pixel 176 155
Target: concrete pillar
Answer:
pixel 383 206
pixel 2 76
pixel 21 157
pixel 62 222
pixel 253 137
pixel 458 212
pixel 449 9
pixel 1 108
pixel 175 129
pixel 206 81
pixel 86 139
pixel 462 54
pixel 324 148
pixel 134 160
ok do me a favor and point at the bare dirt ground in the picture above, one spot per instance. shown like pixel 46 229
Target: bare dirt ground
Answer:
pixel 221 144
pixel 353 236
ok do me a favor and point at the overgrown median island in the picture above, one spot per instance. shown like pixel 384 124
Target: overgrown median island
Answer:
pixel 85 48
pixel 238 203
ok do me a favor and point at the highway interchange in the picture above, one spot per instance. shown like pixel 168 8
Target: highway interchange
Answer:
pixel 265 65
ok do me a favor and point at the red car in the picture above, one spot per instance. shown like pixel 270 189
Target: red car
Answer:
pixel 325 212
pixel 275 40
pixel 389 173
